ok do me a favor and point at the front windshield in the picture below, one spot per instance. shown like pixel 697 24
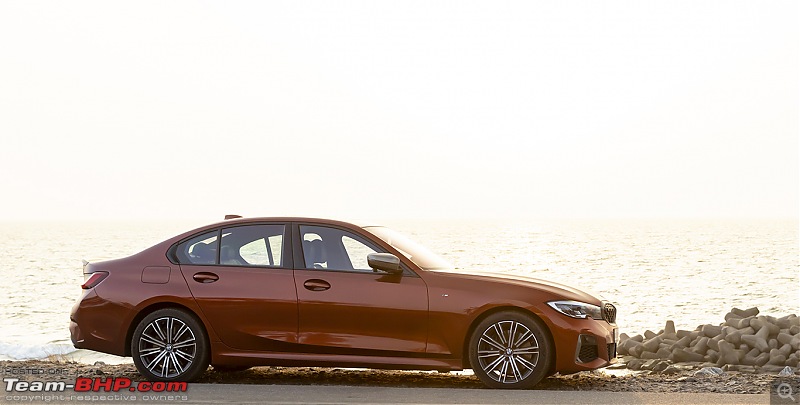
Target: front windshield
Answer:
pixel 417 253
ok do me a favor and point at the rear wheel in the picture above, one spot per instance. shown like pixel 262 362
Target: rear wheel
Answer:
pixel 510 350
pixel 170 345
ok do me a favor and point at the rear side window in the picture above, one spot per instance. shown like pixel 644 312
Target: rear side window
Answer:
pixel 252 245
pixel 199 250
pixel 248 245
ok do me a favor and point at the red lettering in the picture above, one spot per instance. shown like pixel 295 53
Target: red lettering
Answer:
pixel 105 383
pixel 83 384
pixel 121 383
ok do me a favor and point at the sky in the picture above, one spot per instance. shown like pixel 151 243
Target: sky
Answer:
pixel 404 109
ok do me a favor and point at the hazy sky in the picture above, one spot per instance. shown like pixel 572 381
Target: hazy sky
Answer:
pixel 399 109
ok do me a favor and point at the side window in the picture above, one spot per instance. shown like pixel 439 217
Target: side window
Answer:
pixel 334 249
pixel 199 250
pixel 255 253
pixel 314 251
pixel 252 245
pixel 357 253
pixel 275 245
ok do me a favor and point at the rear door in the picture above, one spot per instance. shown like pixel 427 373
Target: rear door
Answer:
pixel 346 306
pixel 241 277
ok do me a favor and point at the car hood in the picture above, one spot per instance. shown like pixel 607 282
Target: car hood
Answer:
pixel 567 292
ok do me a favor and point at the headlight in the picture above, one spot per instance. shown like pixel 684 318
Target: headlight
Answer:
pixel 576 309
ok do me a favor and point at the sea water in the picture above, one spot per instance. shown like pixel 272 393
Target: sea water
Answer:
pixel 689 271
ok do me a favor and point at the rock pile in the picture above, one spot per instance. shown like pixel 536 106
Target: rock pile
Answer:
pixel 746 342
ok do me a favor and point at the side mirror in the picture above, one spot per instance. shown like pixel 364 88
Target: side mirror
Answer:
pixel 385 261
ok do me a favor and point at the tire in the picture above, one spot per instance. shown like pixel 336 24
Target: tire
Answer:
pixel 170 345
pixel 516 363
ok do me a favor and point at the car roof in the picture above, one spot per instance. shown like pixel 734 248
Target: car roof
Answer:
pixel 360 224
pixel 250 220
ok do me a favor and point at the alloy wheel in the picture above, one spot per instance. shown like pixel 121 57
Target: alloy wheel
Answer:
pixel 167 347
pixel 508 351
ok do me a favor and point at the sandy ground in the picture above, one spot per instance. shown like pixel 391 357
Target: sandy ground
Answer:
pixel 599 380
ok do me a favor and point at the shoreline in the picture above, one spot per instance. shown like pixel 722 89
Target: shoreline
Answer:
pixel 683 380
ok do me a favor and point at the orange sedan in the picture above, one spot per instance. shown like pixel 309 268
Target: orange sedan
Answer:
pixel 313 292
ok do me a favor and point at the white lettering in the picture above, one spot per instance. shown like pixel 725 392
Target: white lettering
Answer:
pixel 55 386
pixel 10 383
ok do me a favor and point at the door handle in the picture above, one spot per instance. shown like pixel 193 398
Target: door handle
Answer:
pixel 205 277
pixel 316 285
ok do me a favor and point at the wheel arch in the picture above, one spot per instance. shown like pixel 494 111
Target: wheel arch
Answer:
pixel 507 308
pixel 155 307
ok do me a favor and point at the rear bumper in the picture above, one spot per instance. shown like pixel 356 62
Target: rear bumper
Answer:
pixel 75 334
pixel 86 318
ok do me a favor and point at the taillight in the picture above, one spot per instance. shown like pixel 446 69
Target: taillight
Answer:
pixel 94 280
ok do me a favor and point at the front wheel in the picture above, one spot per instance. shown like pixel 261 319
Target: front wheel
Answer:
pixel 170 345
pixel 510 350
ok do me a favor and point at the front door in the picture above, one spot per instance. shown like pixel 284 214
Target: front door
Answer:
pixel 347 307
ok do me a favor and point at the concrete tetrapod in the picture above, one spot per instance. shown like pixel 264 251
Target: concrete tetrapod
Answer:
pixel 746 341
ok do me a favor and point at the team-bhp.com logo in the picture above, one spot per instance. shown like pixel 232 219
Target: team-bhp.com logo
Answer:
pixel 90 387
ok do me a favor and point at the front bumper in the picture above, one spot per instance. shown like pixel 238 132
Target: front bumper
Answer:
pixel 588 349
pixel 593 346
pixel 582 344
